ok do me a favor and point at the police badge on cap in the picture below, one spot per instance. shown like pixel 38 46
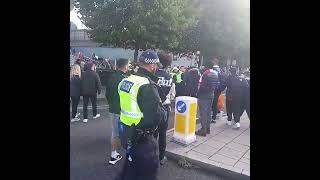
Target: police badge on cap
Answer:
pixel 150 57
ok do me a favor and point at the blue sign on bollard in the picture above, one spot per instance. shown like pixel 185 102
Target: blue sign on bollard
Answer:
pixel 181 107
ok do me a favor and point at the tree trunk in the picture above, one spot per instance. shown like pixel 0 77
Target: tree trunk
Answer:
pixel 136 51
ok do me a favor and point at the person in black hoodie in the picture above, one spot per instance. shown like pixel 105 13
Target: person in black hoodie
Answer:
pixel 75 75
pixel 192 78
pixel 90 86
pixel 166 89
pixel 114 106
pixel 236 87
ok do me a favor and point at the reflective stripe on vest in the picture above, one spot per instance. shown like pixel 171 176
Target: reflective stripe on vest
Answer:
pixel 128 92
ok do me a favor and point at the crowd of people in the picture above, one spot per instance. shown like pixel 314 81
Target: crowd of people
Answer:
pixel 140 97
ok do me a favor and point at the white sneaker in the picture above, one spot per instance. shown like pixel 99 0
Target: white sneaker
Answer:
pixel 115 159
pixel 75 119
pixel 229 123
pixel 77 115
pixel 237 126
pixel 97 115
pixel 85 120
pixel 221 114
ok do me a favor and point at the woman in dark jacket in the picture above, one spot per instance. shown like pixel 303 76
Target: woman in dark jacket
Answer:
pixel 75 75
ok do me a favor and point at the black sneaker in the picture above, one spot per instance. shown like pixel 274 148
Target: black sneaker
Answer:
pixel 201 133
pixel 114 160
pixel 162 161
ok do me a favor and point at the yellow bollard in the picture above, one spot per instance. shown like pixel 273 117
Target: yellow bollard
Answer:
pixel 185 120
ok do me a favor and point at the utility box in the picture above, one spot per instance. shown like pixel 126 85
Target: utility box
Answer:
pixel 185 120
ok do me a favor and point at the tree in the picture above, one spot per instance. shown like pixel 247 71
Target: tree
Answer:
pixel 224 30
pixel 189 40
pixel 137 24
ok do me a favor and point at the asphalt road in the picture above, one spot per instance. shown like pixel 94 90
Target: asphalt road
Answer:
pixel 90 151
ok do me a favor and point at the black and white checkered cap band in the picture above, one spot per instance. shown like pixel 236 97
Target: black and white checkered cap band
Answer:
pixel 151 61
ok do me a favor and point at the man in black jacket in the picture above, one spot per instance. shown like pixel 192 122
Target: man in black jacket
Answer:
pixel 114 106
pixel 236 87
pixel 207 84
pixel 140 116
pixel 90 86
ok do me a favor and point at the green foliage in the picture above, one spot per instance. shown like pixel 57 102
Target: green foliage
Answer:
pixel 218 28
pixel 138 24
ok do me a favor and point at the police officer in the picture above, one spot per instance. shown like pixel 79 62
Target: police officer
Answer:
pixel 167 90
pixel 140 115
pixel 178 80
pixel 234 96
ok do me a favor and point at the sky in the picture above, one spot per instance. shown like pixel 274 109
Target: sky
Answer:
pixel 76 20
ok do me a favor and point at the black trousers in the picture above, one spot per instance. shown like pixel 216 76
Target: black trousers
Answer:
pixel 162 132
pixel 93 100
pixel 75 101
pixel 180 89
pixel 145 161
pixel 245 105
pixel 215 105
pixel 233 106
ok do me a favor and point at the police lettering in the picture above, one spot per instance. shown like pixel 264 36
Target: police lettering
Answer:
pixel 126 86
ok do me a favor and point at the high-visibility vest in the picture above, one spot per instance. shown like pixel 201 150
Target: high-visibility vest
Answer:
pixel 178 75
pixel 128 92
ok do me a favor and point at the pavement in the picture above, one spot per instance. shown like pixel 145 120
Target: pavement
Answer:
pixel 225 151
pixel 224 154
pixel 90 151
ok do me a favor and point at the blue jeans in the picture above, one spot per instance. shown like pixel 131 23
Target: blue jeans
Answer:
pixel 205 113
